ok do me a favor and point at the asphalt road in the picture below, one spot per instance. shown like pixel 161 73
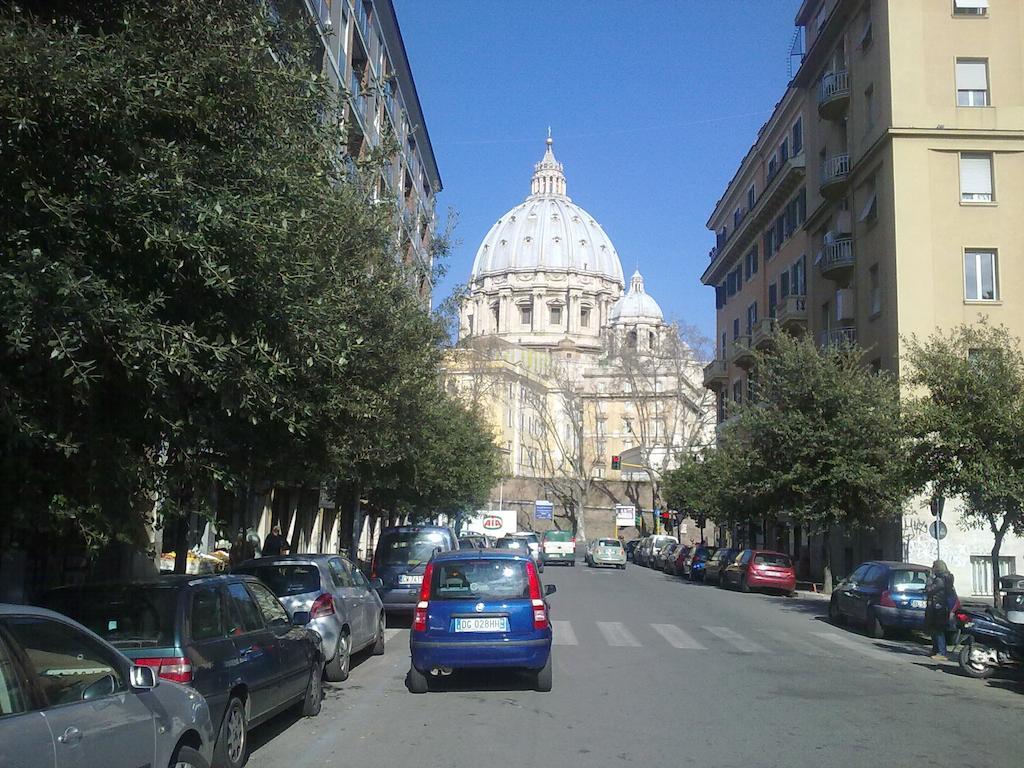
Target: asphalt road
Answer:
pixel 651 670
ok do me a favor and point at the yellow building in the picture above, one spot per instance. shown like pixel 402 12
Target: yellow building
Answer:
pixel 882 199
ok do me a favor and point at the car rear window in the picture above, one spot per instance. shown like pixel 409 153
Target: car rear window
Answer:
pixel 705 552
pixel 480 580
pixel 127 616
pixel 510 543
pixel 780 561
pixel 557 536
pixel 408 547
pixel 286 579
pixel 609 543
pixel 905 580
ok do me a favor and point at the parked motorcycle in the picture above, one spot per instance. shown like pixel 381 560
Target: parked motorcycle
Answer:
pixel 994 638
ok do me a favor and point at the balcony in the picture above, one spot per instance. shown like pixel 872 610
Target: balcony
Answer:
pixel 837 259
pixel 834 94
pixel 836 337
pixel 358 100
pixel 834 173
pixel 363 22
pixel 791 313
pixel 764 330
pixel 741 352
pixel 716 375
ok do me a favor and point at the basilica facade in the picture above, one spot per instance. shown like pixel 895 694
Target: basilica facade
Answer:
pixel 591 394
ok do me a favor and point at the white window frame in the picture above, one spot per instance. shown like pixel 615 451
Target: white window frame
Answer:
pixel 972 96
pixel 976 255
pixel 970 8
pixel 979 195
pixel 552 310
pixel 526 314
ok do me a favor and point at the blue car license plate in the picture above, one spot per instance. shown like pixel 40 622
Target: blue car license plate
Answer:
pixel 482 624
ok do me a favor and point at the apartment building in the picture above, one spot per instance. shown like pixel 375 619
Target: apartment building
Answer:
pixel 364 56
pixel 882 199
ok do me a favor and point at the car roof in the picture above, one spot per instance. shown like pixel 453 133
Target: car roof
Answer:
pixel 12 609
pixel 895 564
pixel 480 554
pixel 414 528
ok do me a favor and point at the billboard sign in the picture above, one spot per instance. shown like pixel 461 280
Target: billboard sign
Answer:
pixel 625 515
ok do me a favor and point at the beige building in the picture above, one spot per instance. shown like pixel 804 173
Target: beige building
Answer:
pixel 881 199
pixel 572 367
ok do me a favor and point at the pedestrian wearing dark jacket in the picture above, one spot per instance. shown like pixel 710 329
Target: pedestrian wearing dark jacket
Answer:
pixel 939 592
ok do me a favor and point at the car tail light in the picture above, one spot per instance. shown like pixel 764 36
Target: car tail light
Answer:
pixel 322 606
pixel 886 600
pixel 175 668
pixel 962 617
pixel 419 616
pixel 540 611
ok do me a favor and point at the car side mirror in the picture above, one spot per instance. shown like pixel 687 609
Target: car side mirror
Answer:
pixel 142 678
pixel 376 584
pixel 300 618
pixel 104 686
pixel 549 589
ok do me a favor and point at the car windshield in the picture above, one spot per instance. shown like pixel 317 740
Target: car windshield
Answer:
pixel 906 580
pixel 609 543
pixel 128 616
pixel 287 579
pixel 408 547
pixel 490 579
pixel 769 558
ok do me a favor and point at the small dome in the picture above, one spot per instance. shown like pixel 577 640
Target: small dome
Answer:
pixel 547 231
pixel 636 305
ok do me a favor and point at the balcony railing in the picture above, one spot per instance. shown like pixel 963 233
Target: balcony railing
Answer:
pixel 792 311
pixel 358 98
pixel 763 332
pixel 835 337
pixel 833 93
pixel 834 173
pixel 740 351
pixel 716 374
pixel 837 256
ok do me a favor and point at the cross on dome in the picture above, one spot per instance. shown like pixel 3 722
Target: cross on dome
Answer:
pixel 548 174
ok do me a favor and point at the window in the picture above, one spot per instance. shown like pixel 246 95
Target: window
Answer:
pixel 784 284
pixel 798 136
pixel 801 206
pixel 869 211
pixel 585 317
pixel 737 392
pixel 869 107
pixel 340 575
pixel 799 276
pixel 751 197
pixel 526 314
pixel 980 277
pixel 631 339
pixel 13 687
pixel 556 315
pixel 750 264
pixel 207 617
pixel 495 314
pixel 724 345
pixel 981 572
pixel 972 82
pixel 720 296
pixel 469 322
pixel 970 7
pixel 736 328
pixel 875 290
pixel 975 178
pixel 751 318
pixel 773 299
pixel 784 150
pixel 246 616
pixel 769 241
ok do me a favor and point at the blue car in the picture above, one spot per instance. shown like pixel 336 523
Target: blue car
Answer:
pixel 481 609
pixel 880 596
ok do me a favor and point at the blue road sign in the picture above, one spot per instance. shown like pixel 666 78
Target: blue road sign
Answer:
pixel 543 510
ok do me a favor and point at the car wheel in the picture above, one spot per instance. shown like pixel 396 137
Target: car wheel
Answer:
pixel 186 757
pixel 972 665
pixel 875 628
pixel 543 681
pixel 232 749
pixel 572 563
pixel 416 681
pixel 378 645
pixel 314 698
pixel 337 668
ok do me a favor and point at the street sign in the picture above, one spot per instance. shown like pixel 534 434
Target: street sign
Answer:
pixel 625 515
pixel 543 510
pixel 937 530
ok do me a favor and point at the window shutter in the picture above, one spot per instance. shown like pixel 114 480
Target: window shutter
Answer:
pixel 975 175
pixel 972 75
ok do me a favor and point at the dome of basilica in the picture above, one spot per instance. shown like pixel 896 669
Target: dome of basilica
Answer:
pixel 547 232
pixel 637 305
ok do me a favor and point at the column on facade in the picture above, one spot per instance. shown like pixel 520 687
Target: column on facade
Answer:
pixel 540 312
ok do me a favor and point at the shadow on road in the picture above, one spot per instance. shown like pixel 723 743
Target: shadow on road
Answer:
pixel 474 680
pixel 274 727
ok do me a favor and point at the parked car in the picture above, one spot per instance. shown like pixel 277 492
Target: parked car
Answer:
pixel 665 555
pixel 227 636
pixel 674 566
pixel 654 545
pixel 401 558
pixel 343 607
pixel 69 698
pixel 606 552
pixel 881 595
pixel 533 541
pixel 481 609
pixel 717 563
pixel 696 562
pixel 559 547
pixel 474 541
pixel 761 569
pixel 630 547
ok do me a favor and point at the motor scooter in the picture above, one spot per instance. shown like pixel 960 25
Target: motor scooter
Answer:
pixel 994 638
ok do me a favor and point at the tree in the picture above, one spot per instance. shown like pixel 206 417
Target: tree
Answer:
pixel 822 442
pixel 967 420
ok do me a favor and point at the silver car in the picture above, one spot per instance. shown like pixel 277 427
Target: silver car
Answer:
pixel 606 552
pixel 344 607
pixel 67 698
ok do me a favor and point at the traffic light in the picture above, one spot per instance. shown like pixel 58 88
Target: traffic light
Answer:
pixel 936 505
pixel 616 462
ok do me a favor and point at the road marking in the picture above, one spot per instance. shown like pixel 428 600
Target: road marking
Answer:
pixel 736 640
pixel 853 645
pixel 677 638
pixel 797 644
pixel 563 633
pixel 616 634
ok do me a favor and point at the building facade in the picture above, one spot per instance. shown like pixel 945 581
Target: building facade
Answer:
pixel 880 201
pixel 572 367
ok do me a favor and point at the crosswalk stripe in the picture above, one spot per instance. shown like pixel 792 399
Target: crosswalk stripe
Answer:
pixel 853 645
pixel 616 634
pixel 796 643
pixel 677 638
pixel 563 633
pixel 736 640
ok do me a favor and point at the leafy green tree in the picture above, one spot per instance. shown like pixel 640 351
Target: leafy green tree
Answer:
pixel 967 419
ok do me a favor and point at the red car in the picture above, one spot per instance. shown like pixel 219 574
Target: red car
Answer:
pixel 675 565
pixel 761 569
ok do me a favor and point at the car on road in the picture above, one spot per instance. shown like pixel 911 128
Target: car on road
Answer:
pixel 881 595
pixel 630 547
pixel 606 552
pixel 533 541
pixel 474 541
pixel 343 606
pixel 760 569
pixel 228 637
pixel 715 564
pixel 559 547
pixel 665 556
pixel 651 546
pixel 481 609
pixel 69 698
pixel 696 561
pixel 674 566
pixel 400 560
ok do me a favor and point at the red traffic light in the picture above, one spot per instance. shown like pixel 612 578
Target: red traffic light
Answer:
pixel 616 462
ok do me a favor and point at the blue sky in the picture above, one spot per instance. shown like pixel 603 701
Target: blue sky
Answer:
pixel 652 105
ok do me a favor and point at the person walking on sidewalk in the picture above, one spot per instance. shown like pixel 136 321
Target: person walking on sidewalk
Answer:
pixel 939 589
